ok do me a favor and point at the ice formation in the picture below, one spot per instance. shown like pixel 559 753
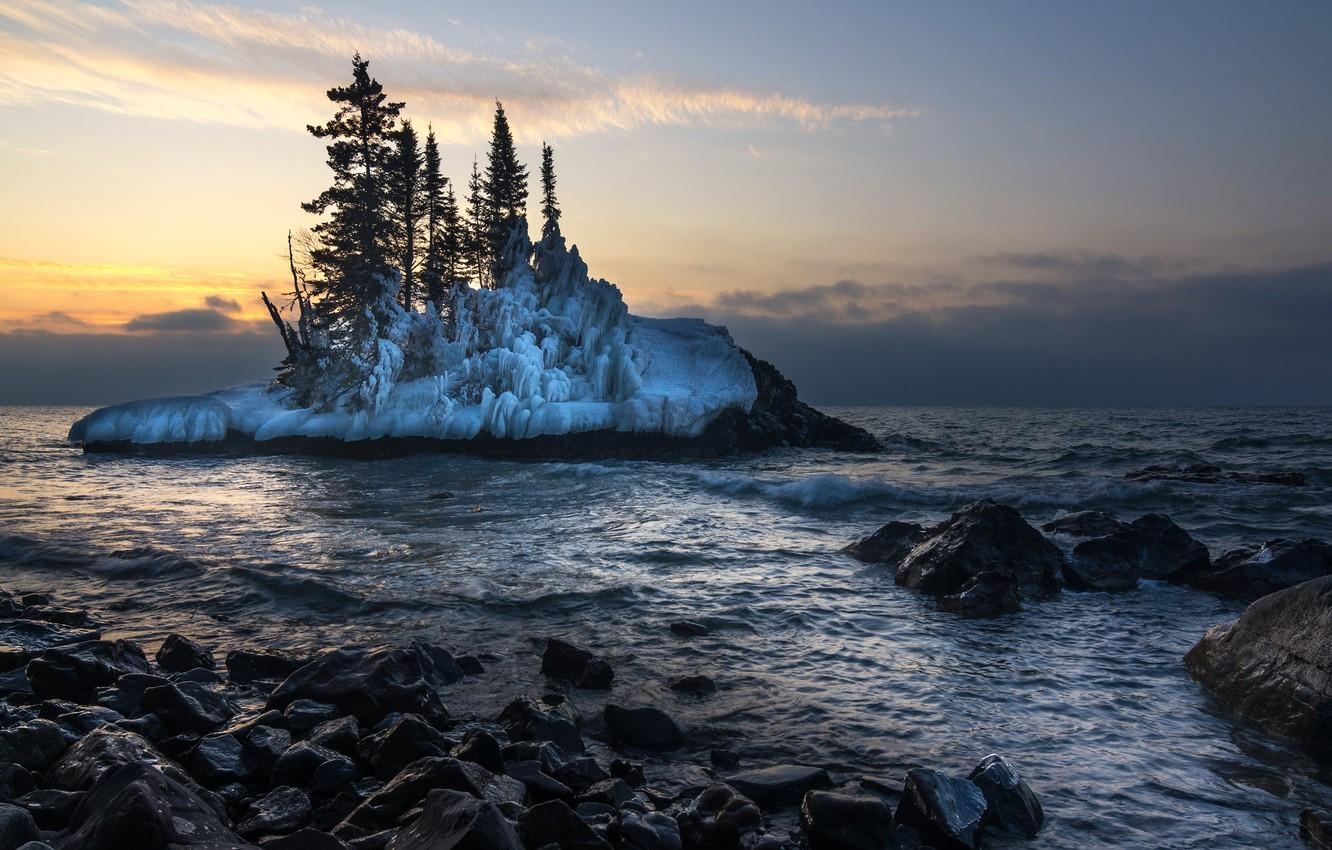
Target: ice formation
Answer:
pixel 550 352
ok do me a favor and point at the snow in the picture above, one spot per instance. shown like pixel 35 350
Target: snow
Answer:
pixel 552 351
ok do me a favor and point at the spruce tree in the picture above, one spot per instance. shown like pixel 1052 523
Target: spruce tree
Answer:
pixel 505 189
pixel 453 246
pixel 550 208
pixel 408 196
pixel 351 258
pixel 476 231
pixel 434 183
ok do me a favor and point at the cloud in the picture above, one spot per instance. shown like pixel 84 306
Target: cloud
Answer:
pixel 217 63
pixel 1084 264
pixel 1251 337
pixel 225 305
pixel 193 320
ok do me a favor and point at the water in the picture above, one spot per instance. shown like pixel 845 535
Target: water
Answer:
pixel 819 659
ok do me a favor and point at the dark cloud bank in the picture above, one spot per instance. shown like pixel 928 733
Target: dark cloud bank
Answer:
pixel 1093 331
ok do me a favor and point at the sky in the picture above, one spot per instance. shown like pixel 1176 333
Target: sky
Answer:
pixel 896 203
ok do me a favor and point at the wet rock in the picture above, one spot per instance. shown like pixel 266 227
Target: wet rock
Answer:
pixel 779 418
pixel 126 696
pixel 697 685
pixel 453 819
pixel 35 744
pixel 650 831
pixel 308 838
pixel 305 714
pixel 179 654
pixel 889 545
pixel 1010 804
pixel 1316 828
pixel 15 780
pixel 982 537
pixel 946 812
pixel 580 774
pixel 540 784
pixel 554 822
pixel 987 594
pixel 139 807
pixel 1151 547
pixel 264 745
pixel 688 628
pixel 781 783
pixel 408 739
pixel 31 638
pixel 1273 665
pixel 75 672
pixel 645 727
pixel 725 759
pixel 1084 524
pixel 483 748
pixel 245 666
pixel 282 810
pixel 470 665
pixel 188 707
pixel 50 807
pixel 384 807
pixel 370 683
pixel 302 762
pixel 16 827
pixel 611 792
pixel 630 771
pixel 1253 572
pixel 341 734
pixel 842 822
pixel 719 819
pixel 524 720
pixel 101 752
pixel 578 667
pixel 85 720
pixel 219 760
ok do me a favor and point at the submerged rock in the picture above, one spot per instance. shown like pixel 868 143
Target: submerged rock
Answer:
pixel 697 685
pixel 948 813
pixel 982 537
pixel 889 545
pixel 1273 665
pixel 1150 547
pixel 1253 572
pixel 688 628
pixel 842 822
pixel 986 594
pixel 1010 804
pixel 578 667
pixel 782 783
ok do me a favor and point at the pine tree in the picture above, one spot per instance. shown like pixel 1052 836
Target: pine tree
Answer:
pixel 351 258
pixel 505 190
pixel 453 247
pixel 434 182
pixel 408 197
pixel 476 230
pixel 550 208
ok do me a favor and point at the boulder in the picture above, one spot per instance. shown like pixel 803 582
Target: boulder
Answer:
pixel 139 807
pixel 384 807
pixel 282 810
pixel 408 739
pixel 524 720
pixel 305 765
pixel 697 685
pixel 1273 665
pixel 580 774
pixel 308 838
pixel 302 715
pixel 245 666
pixel 574 665
pixel 1151 547
pixel 188 707
pixel 264 745
pixel 35 744
pixel 179 654
pixel 75 672
pixel 341 734
pixel 889 545
pixel 987 594
pixel 16 827
pixel 219 760
pixel 32 637
pixel 982 537
pixel 645 727
pixel 1010 804
pixel 50 807
pixel 720 818
pixel 947 813
pixel 105 751
pixel 782 783
pixel 1084 524
pixel 370 683
pixel 15 780
pixel 553 822
pixel 688 628
pixel 779 418
pixel 481 747
pixel 647 831
pixel 833 821
pixel 1253 572
pixel 452 819
pixel 1316 828
pixel 538 783
pixel 126 696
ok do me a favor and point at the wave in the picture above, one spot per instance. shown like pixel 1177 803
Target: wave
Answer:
pixel 290 586
pixel 143 562
pixel 824 490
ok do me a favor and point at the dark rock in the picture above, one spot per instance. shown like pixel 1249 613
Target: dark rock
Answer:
pixel 370 683
pixel 126 696
pixel 264 745
pixel 138 807
pixel 50 807
pixel 612 792
pixel 308 838
pixel 1151 547
pixel 629 771
pixel 341 734
pixel 843 822
pixel 946 812
pixel 781 783
pixel 470 665
pixel 483 748
pixel 697 685
pixel 547 754
pixel 188 707
pixel 539 784
pixel 524 720
pixel 779 418
pixel 1254 572
pixel 284 809
pixel 1273 665
pixel 578 667
pixel 179 654
pixel 15 780
pixel 1316 828
pixel 219 760
pixel 305 714
pixel 725 759
pixel 1010 804
pixel 85 720
pixel 102 752
pixel 245 666
pixel 553 822
pixel 580 774
pixel 1209 473
pixel 300 763
pixel 982 537
pixel 986 594
pixel 644 726
pixel 650 831
pixel 1084 524
pixel 889 545
pixel 452 819
pixel 688 628
pixel 76 671
pixel 16 827
pixel 35 744
pixel 384 807
pixel 32 637
pixel 408 739
pixel 720 819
